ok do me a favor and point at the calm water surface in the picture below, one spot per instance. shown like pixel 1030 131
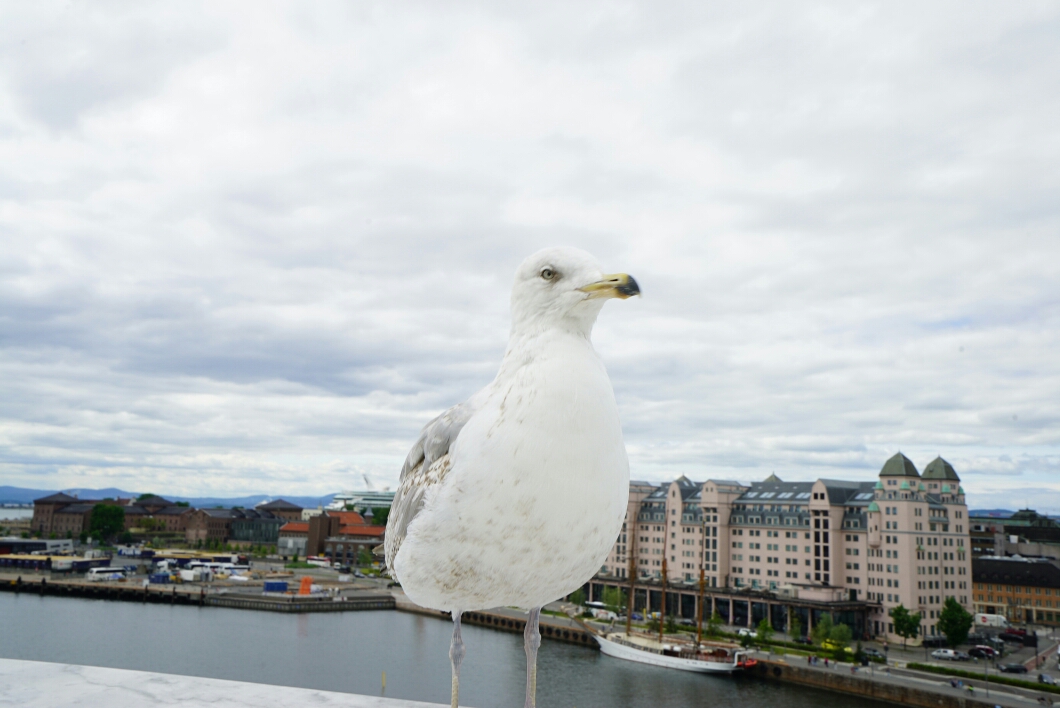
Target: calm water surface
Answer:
pixel 349 651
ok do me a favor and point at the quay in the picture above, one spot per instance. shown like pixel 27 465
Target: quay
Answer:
pixel 40 684
pixel 898 685
pixel 561 629
pixel 232 597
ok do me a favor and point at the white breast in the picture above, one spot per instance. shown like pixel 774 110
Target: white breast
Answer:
pixel 536 492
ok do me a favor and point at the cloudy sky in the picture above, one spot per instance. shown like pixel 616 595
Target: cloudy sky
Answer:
pixel 250 247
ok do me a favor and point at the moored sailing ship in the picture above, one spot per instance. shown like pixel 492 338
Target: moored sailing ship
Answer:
pixel 702 657
pixel 706 658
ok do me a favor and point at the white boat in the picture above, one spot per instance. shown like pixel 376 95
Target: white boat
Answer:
pixel 711 658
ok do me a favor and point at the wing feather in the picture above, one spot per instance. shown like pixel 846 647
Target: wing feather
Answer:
pixel 427 464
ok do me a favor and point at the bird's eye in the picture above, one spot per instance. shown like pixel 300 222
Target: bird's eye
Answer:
pixel 548 273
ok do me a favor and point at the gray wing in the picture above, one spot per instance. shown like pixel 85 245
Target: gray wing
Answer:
pixel 426 465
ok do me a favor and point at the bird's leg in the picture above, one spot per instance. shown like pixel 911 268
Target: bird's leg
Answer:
pixel 531 640
pixel 456 656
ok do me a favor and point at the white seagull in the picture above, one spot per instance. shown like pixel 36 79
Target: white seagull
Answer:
pixel 515 496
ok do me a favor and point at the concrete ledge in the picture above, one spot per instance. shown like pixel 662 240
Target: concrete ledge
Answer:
pixel 38 684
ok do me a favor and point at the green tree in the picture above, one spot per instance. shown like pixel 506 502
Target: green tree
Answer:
pixel 577 597
pixel 954 622
pixel 764 630
pixel 671 624
pixel 796 627
pixel 713 625
pixel 380 514
pixel 144 496
pixel 840 636
pixel 906 625
pixel 822 630
pixel 364 557
pixel 185 504
pixel 106 521
pixel 615 599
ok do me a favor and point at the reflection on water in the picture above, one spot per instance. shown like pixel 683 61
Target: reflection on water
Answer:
pixel 349 651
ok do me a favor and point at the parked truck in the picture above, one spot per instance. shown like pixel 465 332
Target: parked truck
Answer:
pixel 984 620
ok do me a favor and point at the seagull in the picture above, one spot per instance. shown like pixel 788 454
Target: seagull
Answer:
pixel 515 496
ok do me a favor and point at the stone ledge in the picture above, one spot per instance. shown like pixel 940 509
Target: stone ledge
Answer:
pixel 39 684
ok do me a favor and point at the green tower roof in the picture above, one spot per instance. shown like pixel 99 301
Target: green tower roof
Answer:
pixel 899 466
pixel 874 507
pixel 940 469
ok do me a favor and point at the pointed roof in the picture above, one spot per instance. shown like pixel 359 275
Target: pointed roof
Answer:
pixel 773 478
pixel 899 466
pixel 57 498
pixel 940 469
pixel 279 505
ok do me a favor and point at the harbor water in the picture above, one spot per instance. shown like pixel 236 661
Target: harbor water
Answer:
pixel 350 651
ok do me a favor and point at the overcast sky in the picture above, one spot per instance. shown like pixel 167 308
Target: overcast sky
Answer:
pixel 254 247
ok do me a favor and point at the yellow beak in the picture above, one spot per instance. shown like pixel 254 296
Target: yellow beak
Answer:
pixel 620 285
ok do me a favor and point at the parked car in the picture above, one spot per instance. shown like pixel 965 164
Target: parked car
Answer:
pixel 996 641
pixel 981 652
pixel 1046 679
pixel 961 656
pixel 934 641
pixel 1011 637
pixel 874 653
pixel 977 638
pixel 832 646
pixel 1013 668
pixel 946 654
pixel 745 632
pixel 803 640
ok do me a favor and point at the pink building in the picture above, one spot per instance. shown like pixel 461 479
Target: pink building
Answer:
pixel 900 540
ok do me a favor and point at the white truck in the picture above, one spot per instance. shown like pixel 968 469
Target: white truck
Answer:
pixel 984 620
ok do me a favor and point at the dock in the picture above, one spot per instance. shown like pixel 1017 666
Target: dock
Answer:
pixel 236 597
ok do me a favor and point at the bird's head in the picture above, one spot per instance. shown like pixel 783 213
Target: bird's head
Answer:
pixel 564 287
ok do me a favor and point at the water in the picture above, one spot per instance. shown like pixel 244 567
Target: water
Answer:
pixel 12 514
pixel 349 651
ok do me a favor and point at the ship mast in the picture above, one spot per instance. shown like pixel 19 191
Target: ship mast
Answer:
pixel 662 607
pixel 631 548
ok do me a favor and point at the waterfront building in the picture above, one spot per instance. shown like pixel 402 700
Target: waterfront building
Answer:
pixel 341 535
pixel 65 515
pixel 1021 589
pixel 901 540
pixel 293 537
pixel 1025 533
pixel 209 525
pixel 361 501
pixel 256 527
pixel 282 509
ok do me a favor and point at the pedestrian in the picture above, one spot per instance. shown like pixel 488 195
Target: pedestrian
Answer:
pixel 826 662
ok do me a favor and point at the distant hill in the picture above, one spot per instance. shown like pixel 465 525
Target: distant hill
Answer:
pixel 996 513
pixel 22 495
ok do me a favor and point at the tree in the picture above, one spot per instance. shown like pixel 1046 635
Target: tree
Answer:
pixel 379 515
pixel 822 630
pixel 671 624
pixel 577 597
pixel 106 521
pixel 615 599
pixel 184 504
pixel 906 625
pixel 796 627
pixel 713 625
pixel 764 630
pixel 144 496
pixel 364 557
pixel 840 637
pixel 954 622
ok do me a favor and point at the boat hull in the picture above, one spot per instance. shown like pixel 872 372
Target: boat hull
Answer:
pixel 623 651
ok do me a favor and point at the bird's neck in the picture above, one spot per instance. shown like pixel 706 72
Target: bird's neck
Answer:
pixel 529 344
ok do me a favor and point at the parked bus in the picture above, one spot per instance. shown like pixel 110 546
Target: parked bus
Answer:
pixel 112 573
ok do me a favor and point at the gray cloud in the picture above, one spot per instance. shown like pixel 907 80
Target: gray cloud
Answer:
pixel 260 250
